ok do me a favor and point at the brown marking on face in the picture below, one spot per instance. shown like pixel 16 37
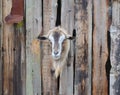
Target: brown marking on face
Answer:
pixel 56 36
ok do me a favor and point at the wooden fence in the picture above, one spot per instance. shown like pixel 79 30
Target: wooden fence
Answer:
pixel 25 62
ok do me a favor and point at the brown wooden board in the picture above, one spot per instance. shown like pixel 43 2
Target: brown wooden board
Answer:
pixel 1 47
pixel 67 22
pixel 115 49
pixel 8 53
pixel 83 26
pixel 49 20
pixel 100 49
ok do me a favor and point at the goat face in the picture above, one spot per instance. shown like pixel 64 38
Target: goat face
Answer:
pixel 56 36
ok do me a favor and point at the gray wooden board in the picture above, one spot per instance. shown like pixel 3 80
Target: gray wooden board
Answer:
pixel 67 22
pixel 115 49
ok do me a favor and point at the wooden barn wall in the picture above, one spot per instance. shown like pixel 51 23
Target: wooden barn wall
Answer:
pixel 26 63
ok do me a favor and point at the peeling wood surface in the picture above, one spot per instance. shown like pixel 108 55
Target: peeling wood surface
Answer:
pixel 83 33
pixel 100 49
pixel 115 49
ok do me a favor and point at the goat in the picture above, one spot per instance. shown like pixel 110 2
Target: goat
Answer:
pixel 60 41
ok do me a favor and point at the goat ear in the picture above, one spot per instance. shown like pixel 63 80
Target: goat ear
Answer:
pixel 72 37
pixel 42 37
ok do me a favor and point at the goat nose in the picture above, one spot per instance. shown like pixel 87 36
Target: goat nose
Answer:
pixel 55 52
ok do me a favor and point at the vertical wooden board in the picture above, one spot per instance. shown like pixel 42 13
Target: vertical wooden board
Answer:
pixel 83 26
pixel 19 61
pixel 29 38
pixel 100 49
pixel 46 77
pixel 17 83
pixel 0 47
pixel 33 65
pixel 37 27
pixel 8 53
pixel 115 49
pixel 67 22
pixel 49 21
pixel 23 59
pixel 90 16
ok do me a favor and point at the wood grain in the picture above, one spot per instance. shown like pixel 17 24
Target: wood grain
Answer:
pixel 67 22
pixel 1 47
pixel 100 49
pixel 33 62
pixel 83 21
pixel 115 49
pixel 8 53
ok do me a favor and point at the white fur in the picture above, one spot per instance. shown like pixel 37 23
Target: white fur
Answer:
pixel 59 60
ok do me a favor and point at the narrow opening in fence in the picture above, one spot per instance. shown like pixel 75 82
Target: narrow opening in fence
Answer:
pixel 58 20
pixel 42 12
pixel 108 63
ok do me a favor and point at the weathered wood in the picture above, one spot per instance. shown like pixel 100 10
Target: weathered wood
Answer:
pixel 115 49
pixel 19 60
pixel 46 62
pixel 1 47
pixel 67 22
pixel 100 49
pixel 36 47
pixel 17 82
pixel 33 64
pixel 53 19
pixel 8 53
pixel 90 16
pixel 29 38
pixel 83 26
pixel 23 59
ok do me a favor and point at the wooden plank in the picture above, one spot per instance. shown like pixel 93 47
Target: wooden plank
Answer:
pixel 67 22
pixel 29 38
pixel 100 49
pixel 33 27
pixel 23 59
pixel 83 26
pixel 37 27
pixel 49 22
pixel 19 61
pixel 115 49
pixel 8 53
pixel 90 16
pixel 1 47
